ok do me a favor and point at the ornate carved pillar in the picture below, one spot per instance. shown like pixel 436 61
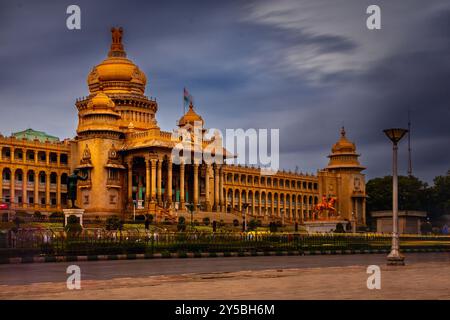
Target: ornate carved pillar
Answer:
pixel 1 181
pixel 47 189
pixel 217 188
pixel 130 181
pixel 24 187
pixel 182 193
pixel 169 181
pixel 12 190
pixel 47 159
pixel 36 189
pixel 223 206
pixel 253 211
pixel 159 182
pixel 260 203
pixel 153 191
pixel 207 201
pixel 195 196
pixel 58 190
pixel 147 181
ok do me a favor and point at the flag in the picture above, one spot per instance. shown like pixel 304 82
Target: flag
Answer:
pixel 187 98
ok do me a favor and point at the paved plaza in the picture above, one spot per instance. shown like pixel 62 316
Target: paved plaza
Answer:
pixel 426 276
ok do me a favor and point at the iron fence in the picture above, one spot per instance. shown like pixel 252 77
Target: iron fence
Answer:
pixel 102 242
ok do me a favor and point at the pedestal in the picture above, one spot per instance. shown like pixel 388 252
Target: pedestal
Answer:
pixel 73 212
pixel 322 226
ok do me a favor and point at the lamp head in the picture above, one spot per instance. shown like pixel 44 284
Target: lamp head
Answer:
pixel 395 134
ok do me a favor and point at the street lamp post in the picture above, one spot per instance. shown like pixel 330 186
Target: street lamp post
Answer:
pixel 190 207
pixel 244 211
pixel 395 257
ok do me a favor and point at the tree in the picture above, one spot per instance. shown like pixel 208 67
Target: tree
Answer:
pixel 114 223
pixel 253 224
pixel 439 197
pixel 412 193
pixel 181 227
pixel 73 226
pixel 206 221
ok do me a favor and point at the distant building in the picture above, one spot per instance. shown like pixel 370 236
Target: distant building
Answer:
pixel 120 147
pixel 409 222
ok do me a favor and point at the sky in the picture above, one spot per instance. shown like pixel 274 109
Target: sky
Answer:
pixel 306 68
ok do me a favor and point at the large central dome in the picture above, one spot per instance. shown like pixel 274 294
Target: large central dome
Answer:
pixel 117 74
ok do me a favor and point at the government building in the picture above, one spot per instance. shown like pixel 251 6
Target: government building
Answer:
pixel 127 160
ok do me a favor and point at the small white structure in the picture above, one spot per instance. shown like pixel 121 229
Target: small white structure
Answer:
pixel 408 221
pixel 73 212
pixel 325 226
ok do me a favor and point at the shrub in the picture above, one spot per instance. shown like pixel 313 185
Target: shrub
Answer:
pixel 56 216
pixel 339 228
pixel 140 217
pixel 273 227
pixel 236 222
pixel 73 227
pixel 114 223
pixel 37 214
pixel 196 223
pixel 181 224
pixel 150 218
pixel 252 225
pixel 206 221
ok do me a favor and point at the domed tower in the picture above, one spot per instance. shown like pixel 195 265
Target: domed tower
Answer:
pixel 342 179
pixel 116 103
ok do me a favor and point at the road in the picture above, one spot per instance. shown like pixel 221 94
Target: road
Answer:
pixel 426 276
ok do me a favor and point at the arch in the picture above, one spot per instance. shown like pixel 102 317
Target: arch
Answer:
pixel 281 183
pixel 42 156
pixel 6 174
pixel 18 154
pixel 53 178
pixel 229 177
pixel 256 180
pixel 236 178
pixel 243 179
pixel 63 178
pixel 275 182
pixel 31 176
pixel 6 153
pixel 30 155
pixel 42 177
pixel 18 175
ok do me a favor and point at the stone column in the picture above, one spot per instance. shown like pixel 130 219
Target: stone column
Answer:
pixel 153 191
pixel 159 182
pixel 207 201
pixel 24 187
pixel 58 159
pixel 47 159
pixel 169 181
pixel 58 191
pixel 147 182
pixel 222 196
pixel 36 189
pixel 260 203
pixel 182 193
pixel 253 211
pixel 130 181
pixel 217 188
pixel 47 189
pixel 12 191
pixel 195 196
pixel 1 182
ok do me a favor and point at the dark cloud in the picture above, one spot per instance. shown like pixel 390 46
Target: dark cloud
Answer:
pixel 256 64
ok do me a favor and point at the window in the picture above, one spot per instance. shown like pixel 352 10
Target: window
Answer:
pixel 112 199
pixel 86 199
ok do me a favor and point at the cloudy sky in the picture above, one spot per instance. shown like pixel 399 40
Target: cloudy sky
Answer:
pixel 305 67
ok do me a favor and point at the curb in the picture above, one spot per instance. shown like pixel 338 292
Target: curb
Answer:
pixel 184 255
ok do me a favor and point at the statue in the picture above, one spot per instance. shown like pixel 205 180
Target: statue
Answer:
pixel 116 35
pixel 72 182
pixel 327 204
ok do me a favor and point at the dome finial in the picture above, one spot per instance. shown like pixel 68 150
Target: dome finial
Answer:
pixel 343 132
pixel 117 49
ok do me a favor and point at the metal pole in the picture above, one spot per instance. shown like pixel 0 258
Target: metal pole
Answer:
pixel 395 258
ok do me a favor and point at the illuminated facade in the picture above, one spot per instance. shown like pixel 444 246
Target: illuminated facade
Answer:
pixel 127 159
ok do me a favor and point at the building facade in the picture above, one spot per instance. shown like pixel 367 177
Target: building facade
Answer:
pixel 129 165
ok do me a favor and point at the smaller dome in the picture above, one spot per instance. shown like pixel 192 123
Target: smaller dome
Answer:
pixel 343 145
pixel 101 100
pixel 190 117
